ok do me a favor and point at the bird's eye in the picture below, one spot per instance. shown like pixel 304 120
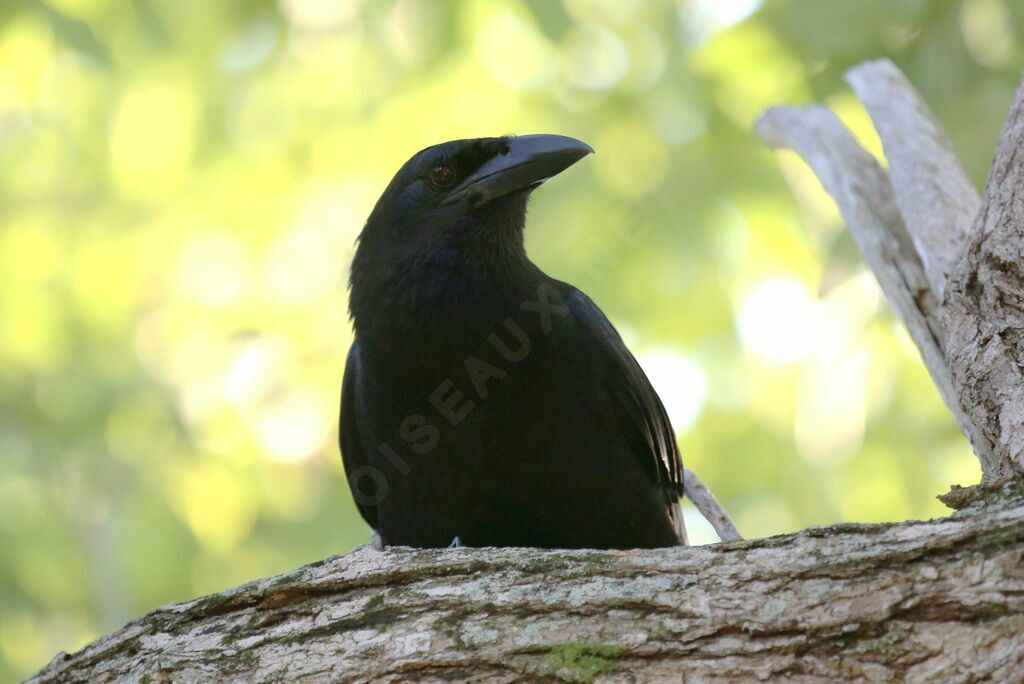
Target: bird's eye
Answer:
pixel 442 175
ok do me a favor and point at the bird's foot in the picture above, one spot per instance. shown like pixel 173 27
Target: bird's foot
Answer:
pixel 376 541
pixel 456 543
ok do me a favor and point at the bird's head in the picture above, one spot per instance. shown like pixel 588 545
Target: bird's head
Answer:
pixel 457 203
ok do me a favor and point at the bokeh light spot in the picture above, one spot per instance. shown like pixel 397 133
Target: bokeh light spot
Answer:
pixel 680 383
pixel 295 427
pixel 212 269
pixel 513 49
pixel 217 503
pixel 320 14
pixel 987 28
pixel 595 57
pixel 776 320
pixel 151 138
pixel 26 53
pixel 631 159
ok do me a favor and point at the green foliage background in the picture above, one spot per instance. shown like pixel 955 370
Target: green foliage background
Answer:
pixel 181 183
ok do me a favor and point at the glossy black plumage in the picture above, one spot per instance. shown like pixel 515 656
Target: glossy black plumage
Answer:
pixel 484 401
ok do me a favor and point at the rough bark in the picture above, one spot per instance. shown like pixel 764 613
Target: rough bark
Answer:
pixel 917 601
pixel 986 300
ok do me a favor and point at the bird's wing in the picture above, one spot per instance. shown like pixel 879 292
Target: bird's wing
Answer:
pixel 644 412
pixel 353 453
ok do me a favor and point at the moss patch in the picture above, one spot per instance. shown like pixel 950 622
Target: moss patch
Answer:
pixel 580 661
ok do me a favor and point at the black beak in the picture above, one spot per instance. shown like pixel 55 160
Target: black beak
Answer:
pixel 529 161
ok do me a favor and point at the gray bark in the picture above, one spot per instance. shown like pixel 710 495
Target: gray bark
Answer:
pixel 931 188
pixel 986 300
pixel 921 601
pixel 916 601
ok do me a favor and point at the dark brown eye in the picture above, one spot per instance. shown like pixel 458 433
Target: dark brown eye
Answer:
pixel 442 175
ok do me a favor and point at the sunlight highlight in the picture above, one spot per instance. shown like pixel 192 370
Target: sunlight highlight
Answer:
pixel 680 382
pixel 777 320
pixel 151 138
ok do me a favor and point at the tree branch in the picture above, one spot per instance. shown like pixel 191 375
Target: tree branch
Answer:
pixel 707 504
pixel 986 301
pixel 958 289
pixel 922 601
pixel 864 194
pixel 934 196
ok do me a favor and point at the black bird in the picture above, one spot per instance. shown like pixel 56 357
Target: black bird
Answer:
pixel 485 403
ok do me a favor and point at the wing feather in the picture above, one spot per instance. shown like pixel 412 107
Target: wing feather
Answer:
pixel 353 453
pixel 641 405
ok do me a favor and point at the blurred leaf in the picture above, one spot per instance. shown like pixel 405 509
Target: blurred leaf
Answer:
pixel 77 35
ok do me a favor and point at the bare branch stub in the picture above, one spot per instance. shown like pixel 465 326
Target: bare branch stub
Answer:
pixel 707 504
